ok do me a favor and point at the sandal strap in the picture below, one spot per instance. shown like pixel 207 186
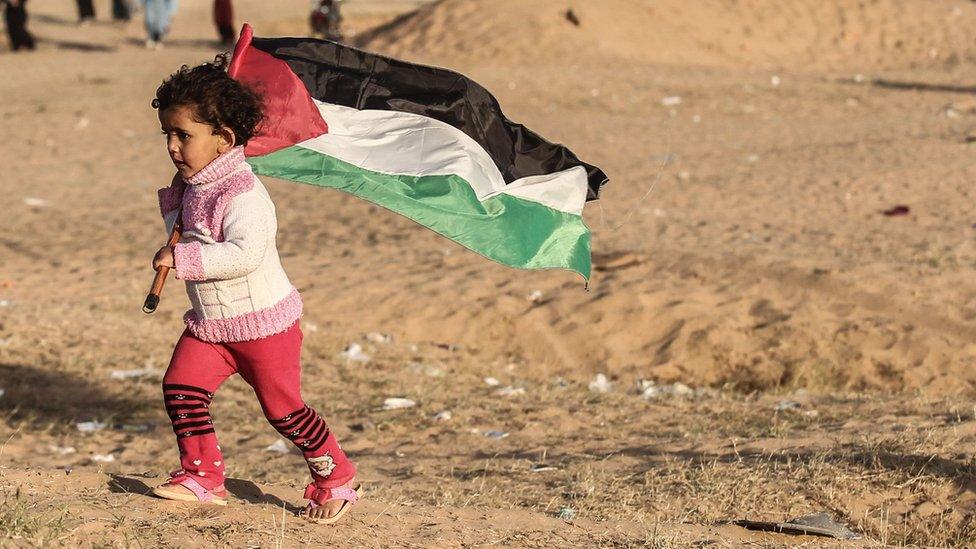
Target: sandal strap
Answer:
pixel 191 484
pixel 317 496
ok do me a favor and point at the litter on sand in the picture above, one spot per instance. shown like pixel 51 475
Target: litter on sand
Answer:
pixel 134 374
pixel 377 337
pixel 819 524
pixel 279 447
pixel 103 458
pixel 35 202
pixel 496 434
pixel 510 391
pixel 90 426
pixel 897 211
pixel 63 450
pixel 354 353
pixel 396 403
pixel 566 513
pixel 492 382
pixel 600 384
pixel 539 468
pixel 649 390
pixel 443 416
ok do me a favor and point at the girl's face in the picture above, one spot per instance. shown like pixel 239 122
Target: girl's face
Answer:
pixel 192 144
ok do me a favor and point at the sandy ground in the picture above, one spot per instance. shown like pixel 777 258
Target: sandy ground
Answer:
pixel 741 250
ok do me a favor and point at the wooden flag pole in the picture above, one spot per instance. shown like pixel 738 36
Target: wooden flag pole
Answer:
pixel 152 300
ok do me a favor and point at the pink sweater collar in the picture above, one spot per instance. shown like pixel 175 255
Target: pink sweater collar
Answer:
pixel 218 168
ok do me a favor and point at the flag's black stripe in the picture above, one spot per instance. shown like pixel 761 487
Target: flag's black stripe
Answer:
pixel 346 76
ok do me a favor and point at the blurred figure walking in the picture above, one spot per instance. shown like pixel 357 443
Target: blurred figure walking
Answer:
pixel 86 11
pixel 15 17
pixel 121 10
pixel 224 20
pixel 157 17
pixel 326 19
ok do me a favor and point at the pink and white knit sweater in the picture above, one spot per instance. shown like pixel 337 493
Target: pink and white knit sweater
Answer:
pixel 228 255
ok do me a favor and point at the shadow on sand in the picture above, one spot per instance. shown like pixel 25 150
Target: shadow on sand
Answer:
pixel 48 396
pixel 242 489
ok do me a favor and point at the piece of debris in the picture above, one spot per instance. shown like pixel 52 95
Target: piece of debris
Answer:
pixel 133 374
pixel 425 369
pixel 496 434
pixel 3 392
pixel 539 468
pixel 572 18
pixel 600 384
pixel 492 382
pixel 135 427
pixel 34 202
pixel 103 458
pixel 63 450
pixel 819 524
pixel 279 447
pixel 354 353
pixel 649 390
pixel 448 347
pixel 396 403
pixel 443 416
pixel 566 513
pixel 897 211
pixel 377 337
pixel 775 81
pixel 90 426
pixel 535 296
pixel 510 391
pixel 785 405
pixel 671 101
pixel 363 426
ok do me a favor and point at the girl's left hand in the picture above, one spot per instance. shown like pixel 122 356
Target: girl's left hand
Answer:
pixel 164 258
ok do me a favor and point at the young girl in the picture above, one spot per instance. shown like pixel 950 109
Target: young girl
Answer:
pixel 245 315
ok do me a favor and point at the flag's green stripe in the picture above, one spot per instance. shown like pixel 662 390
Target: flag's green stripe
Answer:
pixel 515 232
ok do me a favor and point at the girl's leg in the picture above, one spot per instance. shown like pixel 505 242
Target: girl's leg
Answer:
pixel 195 371
pixel 272 366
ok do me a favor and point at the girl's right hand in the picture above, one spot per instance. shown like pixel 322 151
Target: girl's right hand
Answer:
pixel 164 258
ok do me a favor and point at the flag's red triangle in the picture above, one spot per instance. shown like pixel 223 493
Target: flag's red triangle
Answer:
pixel 290 115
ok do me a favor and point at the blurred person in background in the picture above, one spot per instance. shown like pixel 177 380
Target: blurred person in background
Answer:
pixel 224 21
pixel 158 14
pixel 326 19
pixel 15 17
pixel 86 11
pixel 121 10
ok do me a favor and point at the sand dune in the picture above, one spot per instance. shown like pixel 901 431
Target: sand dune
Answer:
pixel 805 34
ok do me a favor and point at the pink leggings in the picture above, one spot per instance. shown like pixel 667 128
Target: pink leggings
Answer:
pixel 272 367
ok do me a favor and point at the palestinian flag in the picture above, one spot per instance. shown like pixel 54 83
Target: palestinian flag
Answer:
pixel 425 142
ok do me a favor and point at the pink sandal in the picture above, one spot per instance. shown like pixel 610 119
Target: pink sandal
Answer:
pixel 171 490
pixel 318 496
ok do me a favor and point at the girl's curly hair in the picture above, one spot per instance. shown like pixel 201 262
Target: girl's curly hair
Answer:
pixel 214 97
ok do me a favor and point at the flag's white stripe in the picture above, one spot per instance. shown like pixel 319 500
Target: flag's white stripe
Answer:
pixel 401 143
